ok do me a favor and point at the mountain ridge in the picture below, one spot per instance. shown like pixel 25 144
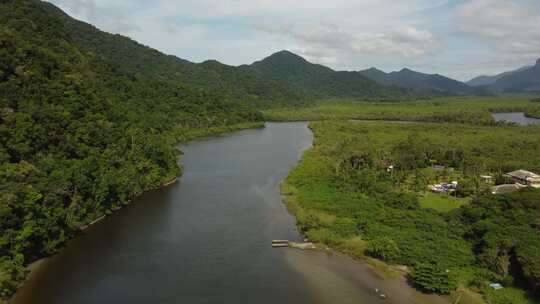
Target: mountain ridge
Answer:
pixel 320 81
pixel 485 80
pixel 527 80
pixel 423 82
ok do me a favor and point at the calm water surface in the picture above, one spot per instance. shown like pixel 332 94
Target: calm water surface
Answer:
pixel 207 239
pixel 515 117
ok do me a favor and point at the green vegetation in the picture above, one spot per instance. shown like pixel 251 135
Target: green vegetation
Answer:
pixel 534 110
pixel 533 113
pixel 474 110
pixel 508 296
pixel 317 81
pixel 384 249
pixel 407 78
pixel 343 195
pixel 135 59
pixel 80 135
pixel 89 120
pixel 441 202
pixel 280 79
pixel 431 278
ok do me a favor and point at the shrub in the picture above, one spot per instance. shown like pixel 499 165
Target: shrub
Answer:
pixel 12 272
pixel 383 248
pixel 508 296
pixel 432 278
pixel 344 227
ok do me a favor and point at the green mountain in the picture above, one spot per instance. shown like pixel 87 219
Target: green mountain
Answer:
pixel 318 81
pixel 136 59
pixel 418 81
pixel 489 80
pixel 526 80
pixel 281 78
pixel 88 121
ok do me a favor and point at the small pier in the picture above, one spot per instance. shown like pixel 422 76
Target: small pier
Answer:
pixel 280 243
pixel 286 243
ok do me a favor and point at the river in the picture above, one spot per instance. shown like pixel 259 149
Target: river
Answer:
pixel 515 117
pixel 207 239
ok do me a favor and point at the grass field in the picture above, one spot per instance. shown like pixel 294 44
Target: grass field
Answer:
pixel 442 202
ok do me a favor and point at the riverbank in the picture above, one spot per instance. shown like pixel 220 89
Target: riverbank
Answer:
pixel 35 266
pixel 185 135
pixel 354 248
pixel 344 194
pixel 533 114
pixel 182 136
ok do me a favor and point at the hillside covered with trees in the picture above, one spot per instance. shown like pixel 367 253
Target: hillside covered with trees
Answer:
pixel 283 78
pixel 319 82
pixel 407 78
pixel 81 135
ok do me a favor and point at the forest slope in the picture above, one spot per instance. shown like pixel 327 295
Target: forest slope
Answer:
pixel 80 135
pixel 321 82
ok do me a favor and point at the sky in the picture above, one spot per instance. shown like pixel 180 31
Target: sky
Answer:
pixel 456 38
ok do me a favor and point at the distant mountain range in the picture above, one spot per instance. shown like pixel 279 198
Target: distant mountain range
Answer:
pixel 283 77
pixel 525 79
pixel 317 80
pixel 489 80
pixel 418 81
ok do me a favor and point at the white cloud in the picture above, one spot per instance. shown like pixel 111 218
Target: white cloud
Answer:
pixel 511 26
pixel 109 18
pixel 326 42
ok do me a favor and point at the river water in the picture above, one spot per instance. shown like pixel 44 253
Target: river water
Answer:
pixel 207 239
pixel 515 117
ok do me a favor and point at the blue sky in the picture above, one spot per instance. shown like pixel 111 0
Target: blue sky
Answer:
pixel 458 38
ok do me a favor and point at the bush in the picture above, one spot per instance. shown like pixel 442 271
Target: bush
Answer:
pixel 12 272
pixel 344 227
pixel 508 296
pixel 383 248
pixel 431 278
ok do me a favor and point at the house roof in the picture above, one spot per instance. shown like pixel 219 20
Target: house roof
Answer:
pixel 523 174
pixel 503 189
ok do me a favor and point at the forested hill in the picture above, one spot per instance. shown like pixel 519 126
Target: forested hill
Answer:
pixel 418 81
pixel 525 80
pixel 281 78
pixel 489 80
pixel 322 82
pixel 134 58
pixel 80 135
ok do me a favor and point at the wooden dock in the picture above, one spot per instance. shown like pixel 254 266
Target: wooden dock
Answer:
pixel 280 243
pixel 286 243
